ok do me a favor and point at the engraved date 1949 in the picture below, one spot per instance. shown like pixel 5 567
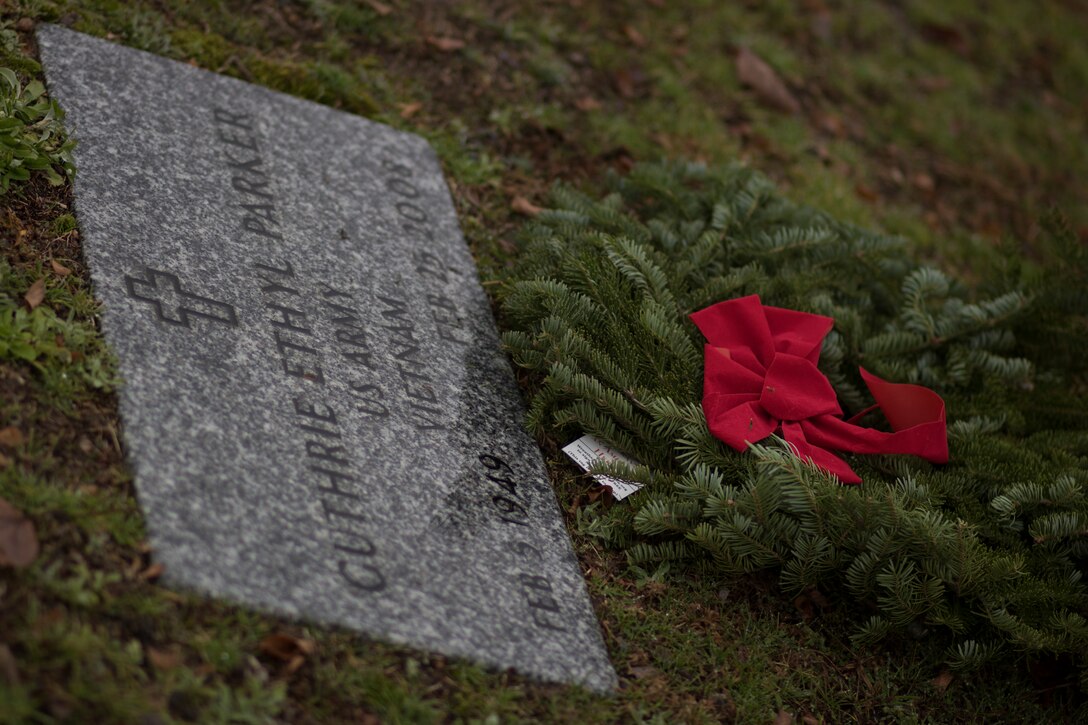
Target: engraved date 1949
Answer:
pixel 500 474
pixel 536 587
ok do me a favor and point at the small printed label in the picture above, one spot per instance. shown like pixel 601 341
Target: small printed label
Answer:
pixel 587 451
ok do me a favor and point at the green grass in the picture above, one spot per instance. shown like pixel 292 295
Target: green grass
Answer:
pixel 54 339
pixel 31 137
pixel 888 98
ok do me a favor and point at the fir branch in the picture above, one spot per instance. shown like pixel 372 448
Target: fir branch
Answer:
pixel 988 551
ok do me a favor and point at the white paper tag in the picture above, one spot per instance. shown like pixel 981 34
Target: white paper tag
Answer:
pixel 587 451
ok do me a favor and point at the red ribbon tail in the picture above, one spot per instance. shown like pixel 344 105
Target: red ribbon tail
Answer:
pixel 905 405
pixel 916 414
pixel 820 457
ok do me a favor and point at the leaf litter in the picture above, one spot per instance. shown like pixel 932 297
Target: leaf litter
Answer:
pixel 19 545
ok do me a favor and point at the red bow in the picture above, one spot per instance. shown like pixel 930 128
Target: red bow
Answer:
pixel 761 374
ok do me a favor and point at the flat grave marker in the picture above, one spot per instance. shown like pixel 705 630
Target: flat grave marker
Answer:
pixel 316 408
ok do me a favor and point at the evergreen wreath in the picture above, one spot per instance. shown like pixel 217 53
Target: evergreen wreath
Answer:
pixel 988 551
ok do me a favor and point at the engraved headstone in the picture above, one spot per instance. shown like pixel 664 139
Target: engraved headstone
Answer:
pixel 316 408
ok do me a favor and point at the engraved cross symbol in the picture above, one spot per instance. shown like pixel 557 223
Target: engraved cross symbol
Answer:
pixel 172 304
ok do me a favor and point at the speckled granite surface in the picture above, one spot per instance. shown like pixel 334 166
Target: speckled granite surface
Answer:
pixel 316 408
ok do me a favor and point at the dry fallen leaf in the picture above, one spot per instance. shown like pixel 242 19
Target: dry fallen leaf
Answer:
pixel 866 193
pixel 294 665
pixel 407 110
pixel 49 618
pixel 942 681
pixel 132 571
pixel 818 598
pixel 18 540
pixel 59 269
pixel 822 25
pixel 163 659
pixel 754 72
pixel 804 607
pixel 949 36
pixel 380 8
pixel 11 437
pixel 36 294
pixel 924 182
pixel 152 572
pixel 624 80
pixel 446 45
pixel 285 648
pixel 832 123
pixel 523 206
pixel 645 672
pixel 663 141
pixel 587 103
pixel 9 671
pixel 934 84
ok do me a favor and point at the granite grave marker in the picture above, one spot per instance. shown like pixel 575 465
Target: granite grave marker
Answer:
pixel 316 408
